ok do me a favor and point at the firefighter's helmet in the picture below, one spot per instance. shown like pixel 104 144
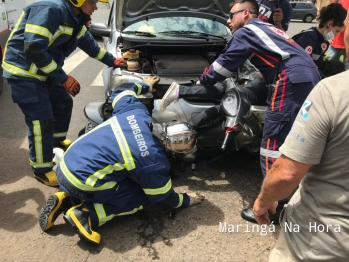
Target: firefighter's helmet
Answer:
pixel 79 3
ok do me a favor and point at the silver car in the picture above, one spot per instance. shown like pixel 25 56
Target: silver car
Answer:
pixel 173 39
pixel 305 11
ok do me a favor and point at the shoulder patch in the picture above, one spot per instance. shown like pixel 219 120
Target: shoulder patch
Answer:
pixel 324 46
pixel 309 50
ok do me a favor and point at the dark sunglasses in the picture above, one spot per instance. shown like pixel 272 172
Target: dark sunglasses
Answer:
pixel 231 14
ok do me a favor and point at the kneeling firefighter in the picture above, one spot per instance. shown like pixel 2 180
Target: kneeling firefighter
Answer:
pixel 96 169
pixel 46 33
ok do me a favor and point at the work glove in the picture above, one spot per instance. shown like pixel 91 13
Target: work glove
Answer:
pixel 151 81
pixel 195 198
pixel 119 62
pixel 198 83
pixel 71 85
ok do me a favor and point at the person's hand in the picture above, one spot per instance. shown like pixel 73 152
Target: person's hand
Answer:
pixel 195 198
pixel 71 85
pixel 198 83
pixel 151 81
pixel 260 211
pixel 119 62
pixel 278 16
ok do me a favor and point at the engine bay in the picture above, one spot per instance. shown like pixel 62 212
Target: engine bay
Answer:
pixel 170 61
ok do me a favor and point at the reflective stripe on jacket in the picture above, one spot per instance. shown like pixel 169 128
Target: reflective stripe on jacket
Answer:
pixel 120 147
pixel 46 33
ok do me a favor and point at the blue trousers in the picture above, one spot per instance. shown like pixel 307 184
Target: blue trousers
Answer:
pixel 283 106
pixel 47 110
pixel 126 198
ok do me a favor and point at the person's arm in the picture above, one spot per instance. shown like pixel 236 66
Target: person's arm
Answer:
pixel 286 10
pixel 286 174
pixel 88 44
pixel 232 57
pixel 41 23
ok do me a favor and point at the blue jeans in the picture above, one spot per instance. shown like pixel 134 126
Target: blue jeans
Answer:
pixel 335 53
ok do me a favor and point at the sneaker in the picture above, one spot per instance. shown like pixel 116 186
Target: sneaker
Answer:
pixel 79 217
pixel 55 205
pixel 48 179
pixel 170 96
pixel 63 144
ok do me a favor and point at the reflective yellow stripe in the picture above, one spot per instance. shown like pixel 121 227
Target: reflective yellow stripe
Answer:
pixel 130 212
pixel 37 141
pixel 180 200
pixel 33 69
pixel 124 148
pixel 103 218
pixel 13 31
pixel 60 31
pixel 40 165
pixel 122 94
pixel 61 134
pixel 92 179
pixel 100 174
pixel 158 191
pixel 101 54
pixel 14 70
pixel 78 184
pixel 39 30
pixel 82 32
pixel 139 88
pixel 49 68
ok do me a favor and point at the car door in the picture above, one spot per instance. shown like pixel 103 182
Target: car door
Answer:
pixel 297 12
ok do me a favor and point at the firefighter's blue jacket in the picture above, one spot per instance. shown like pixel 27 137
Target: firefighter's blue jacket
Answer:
pixel 120 147
pixel 46 33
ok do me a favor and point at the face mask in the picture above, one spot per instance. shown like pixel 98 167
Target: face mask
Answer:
pixel 328 35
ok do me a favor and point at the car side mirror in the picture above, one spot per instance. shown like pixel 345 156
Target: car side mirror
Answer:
pixel 100 29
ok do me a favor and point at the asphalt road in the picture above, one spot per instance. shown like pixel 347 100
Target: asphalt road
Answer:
pixel 229 185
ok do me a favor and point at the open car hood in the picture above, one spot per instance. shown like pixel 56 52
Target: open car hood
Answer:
pixel 132 11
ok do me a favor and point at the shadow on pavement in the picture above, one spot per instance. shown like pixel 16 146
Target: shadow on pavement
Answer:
pixel 152 226
pixel 238 171
pixel 17 221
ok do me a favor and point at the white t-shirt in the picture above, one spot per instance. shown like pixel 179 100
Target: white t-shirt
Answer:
pixel 320 206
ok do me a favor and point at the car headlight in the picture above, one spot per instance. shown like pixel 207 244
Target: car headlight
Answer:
pixel 230 103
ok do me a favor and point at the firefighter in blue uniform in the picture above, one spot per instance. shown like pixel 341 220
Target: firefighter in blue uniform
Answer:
pixel 315 40
pixel 97 167
pixel 46 33
pixel 285 66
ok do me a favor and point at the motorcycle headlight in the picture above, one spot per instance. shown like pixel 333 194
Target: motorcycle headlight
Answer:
pixel 230 103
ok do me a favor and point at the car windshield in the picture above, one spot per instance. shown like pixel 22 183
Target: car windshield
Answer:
pixel 179 26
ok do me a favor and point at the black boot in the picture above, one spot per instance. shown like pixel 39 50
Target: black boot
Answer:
pixel 248 215
pixel 55 205
pixel 48 179
pixel 79 217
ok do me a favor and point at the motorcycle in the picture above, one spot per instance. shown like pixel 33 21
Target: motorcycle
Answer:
pixel 239 126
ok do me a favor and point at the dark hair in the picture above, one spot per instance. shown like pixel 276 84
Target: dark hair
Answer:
pixel 333 12
pixel 330 68
pixel 253 5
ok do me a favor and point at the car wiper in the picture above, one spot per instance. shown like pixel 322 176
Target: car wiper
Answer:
pixel 192 34
pixel 139 33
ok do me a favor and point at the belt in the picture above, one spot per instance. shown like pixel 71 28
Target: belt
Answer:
pixel 73 191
